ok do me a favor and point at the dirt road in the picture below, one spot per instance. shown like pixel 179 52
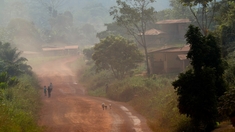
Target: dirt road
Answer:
pixel 70 110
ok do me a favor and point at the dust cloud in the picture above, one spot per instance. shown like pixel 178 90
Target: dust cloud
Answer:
pixel 32 25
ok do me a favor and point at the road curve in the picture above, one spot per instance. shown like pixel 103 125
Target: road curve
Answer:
pixel 70 110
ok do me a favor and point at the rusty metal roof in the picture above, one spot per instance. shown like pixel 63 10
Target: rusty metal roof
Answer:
pixel 153 32
pixel 71 47
pixel 185 48
pixel 174 21
pixel 53 49
pixel 30 52
pixel 60 48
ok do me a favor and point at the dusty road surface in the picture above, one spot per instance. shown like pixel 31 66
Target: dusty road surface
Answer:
pixel 70 110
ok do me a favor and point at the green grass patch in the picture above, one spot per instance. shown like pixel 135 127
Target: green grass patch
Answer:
pixel 152 97
pixel 20 106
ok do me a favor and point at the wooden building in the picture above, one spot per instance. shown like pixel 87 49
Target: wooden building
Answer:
pixel 71 49
pixel 168 60
pixel 53 51
pixel 174 28
pixel 57 51
pixel 154 36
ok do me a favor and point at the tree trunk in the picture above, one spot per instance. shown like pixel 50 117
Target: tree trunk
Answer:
pixel 146 57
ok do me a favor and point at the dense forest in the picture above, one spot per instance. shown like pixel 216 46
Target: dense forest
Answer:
pixel 113 38
pixel 83 20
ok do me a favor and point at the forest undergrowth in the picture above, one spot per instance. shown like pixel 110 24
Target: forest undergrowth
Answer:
pixel 153 97
pixel 20 106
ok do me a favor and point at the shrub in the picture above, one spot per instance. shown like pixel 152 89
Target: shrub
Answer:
pixel 20 105
pixel 227 103
pixel 153 97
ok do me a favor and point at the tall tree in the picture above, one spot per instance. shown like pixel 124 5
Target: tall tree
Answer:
pixel 135 15
pixel 113 29
pixel 226 25
pixel 200 87
pixel 179 11
pixel 14 64
pixel 52 6
pixel 117 54
pixel 203 11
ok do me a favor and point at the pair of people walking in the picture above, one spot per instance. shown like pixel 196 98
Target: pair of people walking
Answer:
pixel 48 90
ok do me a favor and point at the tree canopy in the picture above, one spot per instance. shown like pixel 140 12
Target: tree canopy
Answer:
pixel 117 54
pixel 135 15
pixel 200 87
pixel 13 63
pixel 203 11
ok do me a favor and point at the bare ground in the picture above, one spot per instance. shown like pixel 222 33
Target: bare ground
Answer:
pixel 69 109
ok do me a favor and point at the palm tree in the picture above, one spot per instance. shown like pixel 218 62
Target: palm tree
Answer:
pixel 14 63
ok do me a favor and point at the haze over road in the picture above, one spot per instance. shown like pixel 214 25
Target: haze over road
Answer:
pixel 70 110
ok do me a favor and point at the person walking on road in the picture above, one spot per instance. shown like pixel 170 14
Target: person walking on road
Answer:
pixel 51 86
pixel 49 91
pixel 45 90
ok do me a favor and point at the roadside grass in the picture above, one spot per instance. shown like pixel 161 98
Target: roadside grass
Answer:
pixel 20 106
pixel 154 97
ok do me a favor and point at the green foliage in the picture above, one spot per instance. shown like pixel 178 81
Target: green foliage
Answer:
pixel 178 11
pixel 127 89
pixel 152 97
pixel 88 35
pixel 113 29
pixel 200 87
pixel 229 74
pixel 135 16
pixel 203 12
pixel 6 80
pixel 88 52
pixel 225 28
pixel 20 105
pixel 227 103
pixel 19 98
pixel 14 64
pixel 196 2
pixel 118 55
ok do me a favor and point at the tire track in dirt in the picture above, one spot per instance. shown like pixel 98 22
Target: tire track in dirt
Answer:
pixel 69 110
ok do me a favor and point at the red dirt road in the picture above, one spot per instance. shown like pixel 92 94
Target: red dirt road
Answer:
pixel 70 110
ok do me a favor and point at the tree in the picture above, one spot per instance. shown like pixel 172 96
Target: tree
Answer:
pixel 89 33
pixel 226 25
pixel 117 54
pixel 203 12
pixel 113 29
pixel 227 103
pixel 23 34
pixel 199 88
pixel 179 11
pixel 88 52
pixel 61 27
pixel 6 80
pixel 14 65
pixel 135 15
pixel 52 6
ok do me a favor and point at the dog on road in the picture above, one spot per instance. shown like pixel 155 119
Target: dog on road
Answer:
pixel 105 107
